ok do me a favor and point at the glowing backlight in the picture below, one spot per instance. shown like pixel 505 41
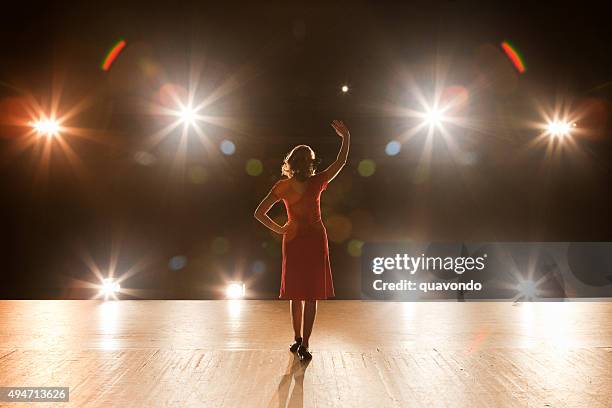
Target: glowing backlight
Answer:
pixel 235 290
pixel 47 127
pixel 514 56
pixel 559 128
pixel 109 287
pixel 112 55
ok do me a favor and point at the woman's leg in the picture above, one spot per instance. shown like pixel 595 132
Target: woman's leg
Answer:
pixel 296 317
pixel 310 311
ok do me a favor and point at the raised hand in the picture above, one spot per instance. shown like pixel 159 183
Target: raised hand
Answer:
pixel 340 128
pixel 334 168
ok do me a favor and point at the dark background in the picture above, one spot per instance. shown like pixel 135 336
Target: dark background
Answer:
pixel 279 68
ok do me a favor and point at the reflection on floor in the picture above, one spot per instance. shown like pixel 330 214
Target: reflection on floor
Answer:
pixel 371 354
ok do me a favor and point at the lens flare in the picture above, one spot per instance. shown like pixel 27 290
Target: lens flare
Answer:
pixel 434 117
pixel 46 127
pixel 354 248
pixel 109 287
pixel 235 290
pixel 227 147
pixel 559 128
pixel 559 133
pixel 514 56
pixel 366 168
pixel 254 167
pixel 50 128
pixel 527 289
pixel 393 148
pixel 205 111
pixel 188 115
pixel 112 55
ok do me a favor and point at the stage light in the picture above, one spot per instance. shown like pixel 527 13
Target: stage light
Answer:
pixel 188 115
pixel 527 289
pixel 235 290
pixel 559 128
pixel 434 117
pixel 345 88
pixel 109 287
pixel 46 127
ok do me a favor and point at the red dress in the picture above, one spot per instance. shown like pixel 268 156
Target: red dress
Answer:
pixel 306 270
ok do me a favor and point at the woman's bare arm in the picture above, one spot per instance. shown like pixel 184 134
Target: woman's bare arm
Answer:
pixel 342 131
pixel 261 213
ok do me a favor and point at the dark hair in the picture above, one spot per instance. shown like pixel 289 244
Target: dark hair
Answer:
pixel 300 163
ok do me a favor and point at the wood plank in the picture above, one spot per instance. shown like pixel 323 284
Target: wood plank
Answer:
pixel 232 354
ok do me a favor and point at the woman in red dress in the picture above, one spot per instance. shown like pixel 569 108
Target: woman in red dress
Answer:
pixel 306 272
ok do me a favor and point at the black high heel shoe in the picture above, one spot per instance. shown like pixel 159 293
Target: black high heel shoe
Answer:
pixel 303 353
pixel 296 345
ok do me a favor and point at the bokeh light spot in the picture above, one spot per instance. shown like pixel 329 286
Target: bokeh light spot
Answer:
pixel 220 246
pixel 467 158
pixel 420 174
pixel 455 98
pixel 145 158
pixel 198 174
pixel 393 148
pixel 258 267
pixel 170 94
pixel 177 262
pixel 227 147
pixel 366 168
pixel 354 247
pixel 254 167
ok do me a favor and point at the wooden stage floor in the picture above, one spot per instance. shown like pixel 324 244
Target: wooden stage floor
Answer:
pixel 370 354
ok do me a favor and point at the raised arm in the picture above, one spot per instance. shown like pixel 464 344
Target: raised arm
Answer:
pixel 261 213
pixel 342 131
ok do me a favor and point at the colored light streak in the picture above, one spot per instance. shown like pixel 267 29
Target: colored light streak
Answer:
pixel 112 55
pixel 514 56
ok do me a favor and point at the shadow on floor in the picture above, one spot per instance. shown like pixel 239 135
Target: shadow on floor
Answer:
pixel 290 392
